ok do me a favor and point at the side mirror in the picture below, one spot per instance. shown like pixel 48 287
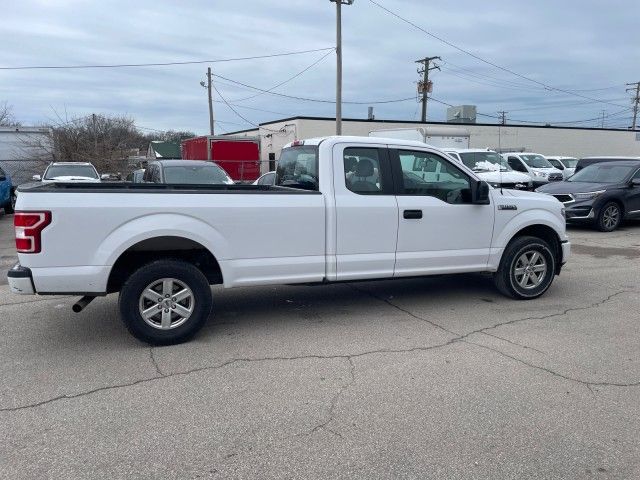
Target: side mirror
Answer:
pixel 480 192
pixel 36 178
pixel 635 182
pixel 105 176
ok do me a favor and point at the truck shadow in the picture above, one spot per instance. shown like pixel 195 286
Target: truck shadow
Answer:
pixel 350 302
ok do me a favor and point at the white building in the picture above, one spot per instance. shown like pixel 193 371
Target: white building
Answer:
pixel 24 152
pixel 569 141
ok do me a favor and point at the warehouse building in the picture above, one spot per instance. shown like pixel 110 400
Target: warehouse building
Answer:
pixel 547 140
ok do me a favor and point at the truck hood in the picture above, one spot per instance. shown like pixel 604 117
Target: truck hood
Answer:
pixel 71 179
pixel 504 177
pixel 525 195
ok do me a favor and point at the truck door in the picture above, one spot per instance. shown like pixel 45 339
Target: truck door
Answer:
pixel 366 212
pixel 439 230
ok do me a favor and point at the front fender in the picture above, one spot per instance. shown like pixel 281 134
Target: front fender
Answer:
pixel 160 225
pixel 526 219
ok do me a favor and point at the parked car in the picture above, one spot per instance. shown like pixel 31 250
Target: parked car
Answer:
pixel 566 164
pixel 325 220
pixel 603 194
pixel 586 161
pixel 7 194
pixel 186 172
pixel 69 172
pixel 136 176
pixel 491 168
pixel 268 178
pixel 534 165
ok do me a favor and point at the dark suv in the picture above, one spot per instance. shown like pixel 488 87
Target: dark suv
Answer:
pixel 602 194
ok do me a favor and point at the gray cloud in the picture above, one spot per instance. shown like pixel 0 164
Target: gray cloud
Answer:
pixel 570 44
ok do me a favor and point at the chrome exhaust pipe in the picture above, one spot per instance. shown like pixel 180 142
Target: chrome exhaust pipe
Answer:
pixel 82 303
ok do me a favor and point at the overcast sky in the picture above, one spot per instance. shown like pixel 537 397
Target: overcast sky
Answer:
pixel 577 45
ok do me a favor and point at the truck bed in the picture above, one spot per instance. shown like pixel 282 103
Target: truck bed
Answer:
pixel 125 187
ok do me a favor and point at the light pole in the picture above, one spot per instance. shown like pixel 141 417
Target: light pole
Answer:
pixel 339 4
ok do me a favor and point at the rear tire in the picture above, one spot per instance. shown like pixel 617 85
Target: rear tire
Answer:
pixel 527 268
pixel 610 217
pixel 165 302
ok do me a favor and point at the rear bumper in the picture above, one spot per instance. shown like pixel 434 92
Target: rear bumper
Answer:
pixel 80 280
pixel 20 280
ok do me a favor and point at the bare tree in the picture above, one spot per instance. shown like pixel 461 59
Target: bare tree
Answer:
pixel 6 116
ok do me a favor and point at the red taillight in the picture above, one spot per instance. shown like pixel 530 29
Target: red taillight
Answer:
pixel 28 227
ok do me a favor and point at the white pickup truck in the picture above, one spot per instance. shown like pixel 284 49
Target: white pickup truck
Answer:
pixel 342 209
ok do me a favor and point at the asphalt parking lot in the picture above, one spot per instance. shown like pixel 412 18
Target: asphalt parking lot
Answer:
pixel 422 378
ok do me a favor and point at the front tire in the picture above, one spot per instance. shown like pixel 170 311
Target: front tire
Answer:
pixel 610 217
pixel 165 302
pixel 527 268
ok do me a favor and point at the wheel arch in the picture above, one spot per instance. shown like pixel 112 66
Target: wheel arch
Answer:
pixel 146 238
pixel 536 223
pixel 168 247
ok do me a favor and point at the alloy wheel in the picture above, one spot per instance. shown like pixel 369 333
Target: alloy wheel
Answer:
pixel 530 269
pixel 166 303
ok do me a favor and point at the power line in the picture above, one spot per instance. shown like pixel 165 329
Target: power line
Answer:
pixel 165 64
pixel 288 79
pixel 316 100
pixel 488 62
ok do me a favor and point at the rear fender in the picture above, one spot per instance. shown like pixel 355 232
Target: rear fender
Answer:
pixel 160 225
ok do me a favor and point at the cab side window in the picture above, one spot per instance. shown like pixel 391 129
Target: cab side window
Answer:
pixel 362 171
pixel 425 173
pixel 516 164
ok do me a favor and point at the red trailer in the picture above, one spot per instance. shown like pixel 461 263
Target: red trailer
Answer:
pixel 239 156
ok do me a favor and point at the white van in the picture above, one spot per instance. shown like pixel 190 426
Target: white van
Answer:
pixel 566 164
pixel 491 167
pixel 534 165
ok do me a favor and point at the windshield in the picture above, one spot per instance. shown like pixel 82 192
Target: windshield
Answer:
pixel 55 171
pixel 298 167
pixel 485 161
pixel 569 162
pixel 602 174
pixel 196 174
pixel 536 161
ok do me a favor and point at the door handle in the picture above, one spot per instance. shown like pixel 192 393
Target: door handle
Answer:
pixel 412 214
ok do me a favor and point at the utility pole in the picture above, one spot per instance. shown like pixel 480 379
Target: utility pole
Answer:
pixel 603 114
pixel 339 4
pixel 95 135
pixel 426 68
pixel 503 117
pixel 636 101
pixel 210 100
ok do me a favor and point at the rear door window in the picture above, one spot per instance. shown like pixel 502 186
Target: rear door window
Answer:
pixel 298 167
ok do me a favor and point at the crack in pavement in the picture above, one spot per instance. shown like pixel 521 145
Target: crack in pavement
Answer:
pixel 334 401
pixel 462 337
pixel 223 365
pixel 457 338
pixel 155 363
pixel 398 307
pixel 586 383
